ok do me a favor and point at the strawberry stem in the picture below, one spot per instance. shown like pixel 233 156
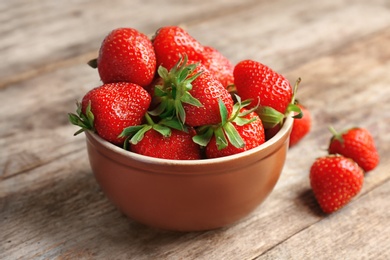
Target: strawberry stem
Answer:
pixel 175 90
pixel 85 121
pixel 336 135
pixel 225 132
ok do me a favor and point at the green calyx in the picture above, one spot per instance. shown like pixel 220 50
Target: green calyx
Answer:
pixel 336 135
pixel 175 90
pixel 85 121
pixel 271 117
pixel 225 132
pixel 134 134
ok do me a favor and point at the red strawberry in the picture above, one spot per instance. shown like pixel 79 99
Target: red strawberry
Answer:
pixel 357 144
pixel 207 90
pixel 335 180
pixel 178 145
pixel 301 126
pixel 110 108
pixel 191 93
pixel 172 42
pixel 252 134
pixel 126 55
pixel 218 65
pixel 254 80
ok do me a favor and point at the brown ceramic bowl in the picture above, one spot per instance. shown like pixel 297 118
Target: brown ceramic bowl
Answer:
pixel 188 195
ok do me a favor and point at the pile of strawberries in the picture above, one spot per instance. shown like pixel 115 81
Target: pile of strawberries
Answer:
pixel 174 98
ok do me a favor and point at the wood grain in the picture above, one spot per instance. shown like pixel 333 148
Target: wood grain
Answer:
pixel 50 204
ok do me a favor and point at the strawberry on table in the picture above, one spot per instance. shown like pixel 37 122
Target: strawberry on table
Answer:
pixel 172 42
pixel 356 143
pixel 110 108
pixel 126 55
pixel 335 180
pixel 301 127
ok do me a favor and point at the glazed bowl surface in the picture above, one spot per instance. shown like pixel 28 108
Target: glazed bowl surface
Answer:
pixel 188 195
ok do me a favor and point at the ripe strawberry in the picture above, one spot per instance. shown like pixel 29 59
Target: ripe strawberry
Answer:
pixel 191 93
pixel 110 108
pixel 254 80
pixel 218 65
pixel 335 180
pixel 301 127
pixel 252 134
pixel 357 144
pixel 178 145
pixel 172 42
pixel 126 55
pixel 207 90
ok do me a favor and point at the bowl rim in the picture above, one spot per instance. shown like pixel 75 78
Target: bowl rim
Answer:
pixel 284 130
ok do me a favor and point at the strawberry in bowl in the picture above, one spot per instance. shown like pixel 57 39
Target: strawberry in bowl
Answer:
pixel 179 150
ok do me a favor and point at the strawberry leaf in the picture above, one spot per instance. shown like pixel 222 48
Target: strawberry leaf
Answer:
pixel 233 136
pixel 137 137
pixel 173 123
pixel 204 138
pixel 163 130
pixel 296 109
pixel 269 116
pixel 220 138
pixel 159 109
pixel 240 121
pixel 180 112
pixel 159 92
pixel 223 112
pixel 189 99
pixel 162 72
pixel 130 131
pixel 85 121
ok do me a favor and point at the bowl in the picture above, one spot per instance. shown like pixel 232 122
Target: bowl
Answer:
pixel 188 195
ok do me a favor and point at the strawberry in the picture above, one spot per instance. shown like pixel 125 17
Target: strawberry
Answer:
pixel 208 90
pixel 126 55
pixel 254 80
pixel 110 108
pixel 252 134
pixel 178 145
pixel 164 139
pixel 238 131
pixel 191 93
pixel 335 180
pixel 218 65
pixel 172 42
pixel 355 143
pixel 301 127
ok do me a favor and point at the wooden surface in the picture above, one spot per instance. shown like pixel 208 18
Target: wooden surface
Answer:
pixel 50 204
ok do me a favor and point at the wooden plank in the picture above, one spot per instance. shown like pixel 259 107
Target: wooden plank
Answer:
pixel 37 35
pixel 355 233
pixel 70 34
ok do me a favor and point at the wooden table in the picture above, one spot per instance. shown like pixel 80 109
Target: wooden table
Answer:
pixel 52 208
